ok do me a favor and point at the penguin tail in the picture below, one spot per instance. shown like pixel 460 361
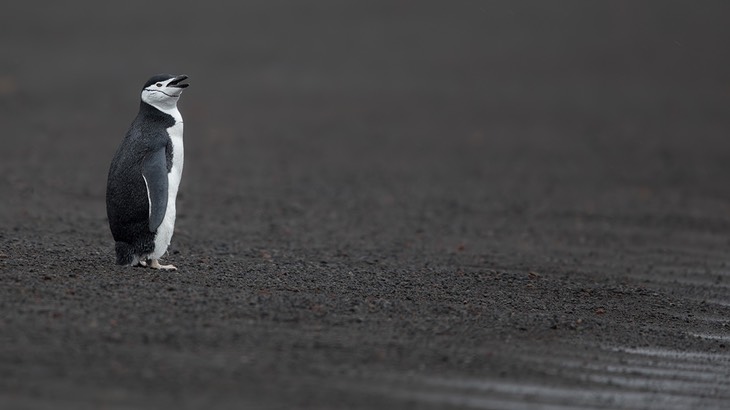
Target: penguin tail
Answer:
pixel 125 253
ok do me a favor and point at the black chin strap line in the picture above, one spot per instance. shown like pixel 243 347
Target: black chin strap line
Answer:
pixel 160 91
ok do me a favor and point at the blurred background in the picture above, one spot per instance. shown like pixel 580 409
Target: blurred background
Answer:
pixel 474 115
pixel 577 139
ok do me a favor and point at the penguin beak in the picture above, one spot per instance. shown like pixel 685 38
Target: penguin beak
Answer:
pixel 177 80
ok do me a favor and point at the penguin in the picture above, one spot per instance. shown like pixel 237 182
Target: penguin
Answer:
pixel 145 174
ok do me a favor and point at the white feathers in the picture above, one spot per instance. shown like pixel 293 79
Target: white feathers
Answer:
pixel 149 200
pixel 166 228
pixel 164 98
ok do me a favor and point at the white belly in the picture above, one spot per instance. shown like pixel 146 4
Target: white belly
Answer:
pixel 164 232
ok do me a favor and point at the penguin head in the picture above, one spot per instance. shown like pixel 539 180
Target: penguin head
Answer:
pixel 163 90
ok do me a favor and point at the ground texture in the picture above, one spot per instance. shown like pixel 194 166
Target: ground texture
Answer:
pixel 386 204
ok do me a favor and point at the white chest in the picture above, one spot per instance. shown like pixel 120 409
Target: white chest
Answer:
pixel 166 228
pixel 178 158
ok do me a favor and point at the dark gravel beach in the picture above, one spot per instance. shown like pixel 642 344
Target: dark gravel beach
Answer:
pixel 390 204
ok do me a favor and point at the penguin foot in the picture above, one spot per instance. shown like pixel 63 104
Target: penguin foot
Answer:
pixel 141 263
pixel 155 264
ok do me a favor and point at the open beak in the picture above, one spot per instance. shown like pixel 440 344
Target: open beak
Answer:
pixel 177 80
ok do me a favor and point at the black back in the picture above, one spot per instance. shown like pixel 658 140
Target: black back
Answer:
pixel 126 196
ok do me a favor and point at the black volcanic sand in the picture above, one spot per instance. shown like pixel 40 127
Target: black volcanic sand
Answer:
pixel 384 205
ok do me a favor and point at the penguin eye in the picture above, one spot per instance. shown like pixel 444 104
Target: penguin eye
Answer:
pixel 159 84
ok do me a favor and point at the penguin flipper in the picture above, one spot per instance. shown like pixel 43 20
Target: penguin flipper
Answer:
pixel 154 172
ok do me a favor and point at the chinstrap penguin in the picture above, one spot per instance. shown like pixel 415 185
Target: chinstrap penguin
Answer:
pixel 145 175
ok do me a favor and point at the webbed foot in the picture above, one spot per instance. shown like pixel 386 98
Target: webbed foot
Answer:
pixel 155 264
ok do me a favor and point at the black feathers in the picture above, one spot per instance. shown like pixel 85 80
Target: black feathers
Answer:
pixel 154 171
pixel 144 151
